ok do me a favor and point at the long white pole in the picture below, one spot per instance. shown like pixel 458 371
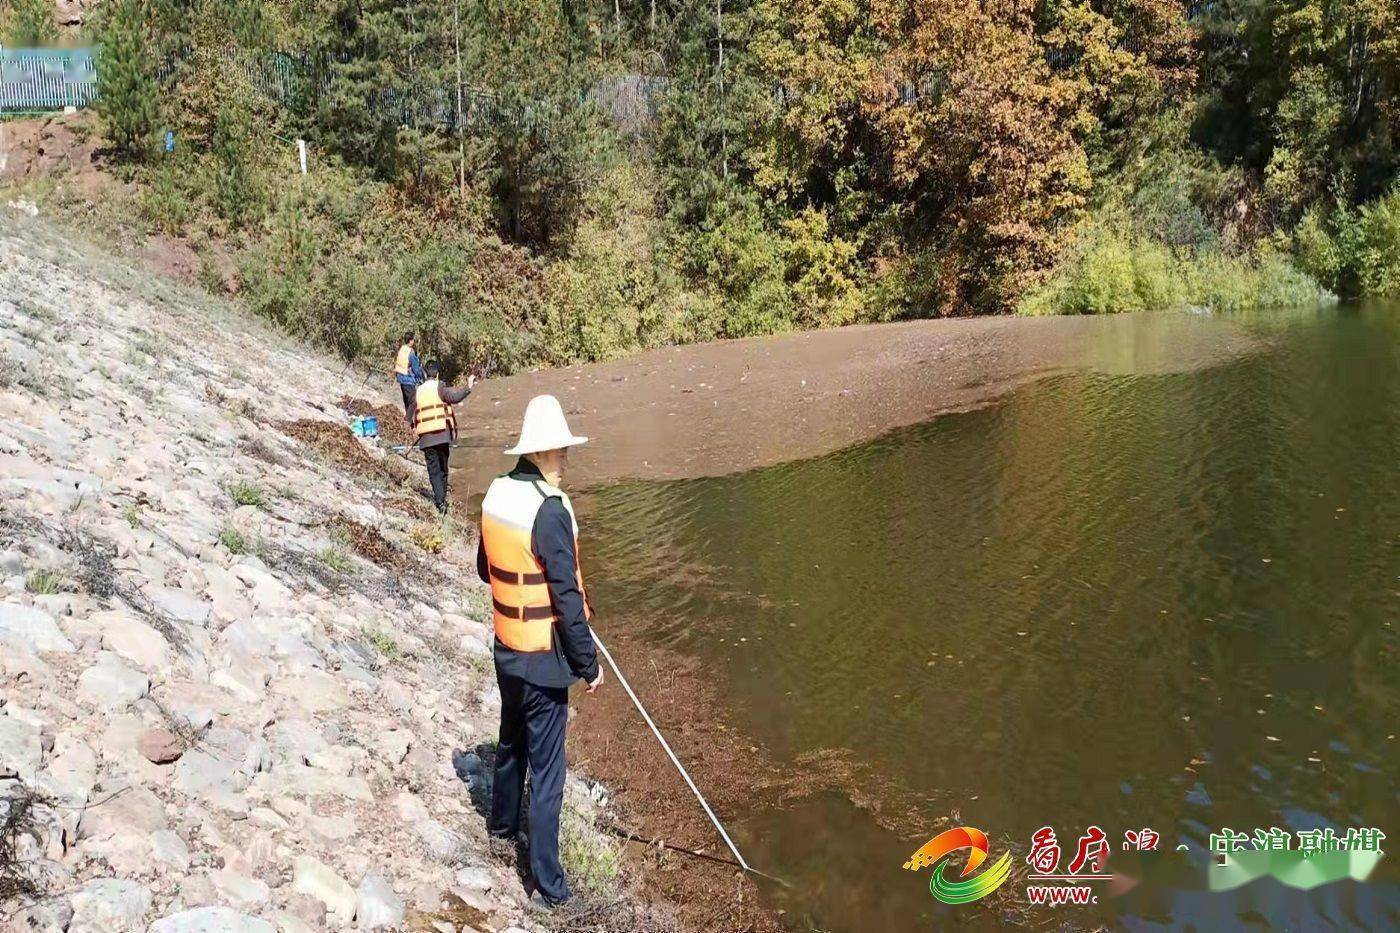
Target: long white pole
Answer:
pixel 674 760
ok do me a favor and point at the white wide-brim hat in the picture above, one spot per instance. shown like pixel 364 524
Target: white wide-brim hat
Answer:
pixel 544 428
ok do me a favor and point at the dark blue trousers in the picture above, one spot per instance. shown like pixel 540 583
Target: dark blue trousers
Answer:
pixel 533 719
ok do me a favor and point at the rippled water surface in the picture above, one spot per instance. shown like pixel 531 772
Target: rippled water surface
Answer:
pixel 1128 600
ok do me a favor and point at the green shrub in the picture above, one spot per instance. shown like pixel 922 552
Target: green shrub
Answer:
pixel 235 541
pixel 1110 271
pixel 235 186
pixel 1316 249
pixel 243 492
pixel 46 582
pixel 613 293
pixel 1157 281
pixel 1354 252
pixel 384 644
pixel 164 204
pixel 822 271
pixel 334 557
pixel 1376 247
pixel 1099 277
pixel 28 23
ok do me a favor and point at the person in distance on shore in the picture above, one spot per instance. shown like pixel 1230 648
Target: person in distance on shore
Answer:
pixel 529 555
pixel 435 427
pixel 408 374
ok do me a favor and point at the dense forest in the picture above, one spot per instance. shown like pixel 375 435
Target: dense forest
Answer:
pixel 531 182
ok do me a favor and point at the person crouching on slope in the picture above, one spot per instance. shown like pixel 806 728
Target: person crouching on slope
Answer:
pixel 529 556
pixel 435 426
pixel 408 374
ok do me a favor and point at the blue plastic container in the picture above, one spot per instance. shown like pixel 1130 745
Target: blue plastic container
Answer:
pixel 368 426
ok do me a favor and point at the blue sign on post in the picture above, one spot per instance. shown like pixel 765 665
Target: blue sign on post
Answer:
pixel 169 140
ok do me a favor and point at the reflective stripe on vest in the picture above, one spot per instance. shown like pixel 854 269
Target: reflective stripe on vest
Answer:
pixel 524 614
pixel 401 367
pixel 430 412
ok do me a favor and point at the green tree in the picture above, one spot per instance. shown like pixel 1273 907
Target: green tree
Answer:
pixel 126 79
pixel 541 145
pixel 29 23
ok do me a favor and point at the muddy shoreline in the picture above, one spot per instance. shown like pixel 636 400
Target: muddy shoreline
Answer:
pixel 717 408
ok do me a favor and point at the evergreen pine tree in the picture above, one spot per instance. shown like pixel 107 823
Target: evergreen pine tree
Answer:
pixel 30 23
pixel 126 80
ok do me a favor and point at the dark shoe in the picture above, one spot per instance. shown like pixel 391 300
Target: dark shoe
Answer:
pixel 538 901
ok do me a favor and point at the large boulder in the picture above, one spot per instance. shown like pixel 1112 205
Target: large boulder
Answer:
pixel 136 642
pixel 211 920
pixel 110 905
pixel 32 630
pixel 20 748
pixel 319 880
pixel 111 685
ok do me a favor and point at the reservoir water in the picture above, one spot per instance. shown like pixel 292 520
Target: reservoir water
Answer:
pixel 1130 600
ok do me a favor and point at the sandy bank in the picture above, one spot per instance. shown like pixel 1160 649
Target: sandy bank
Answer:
pixel 715 408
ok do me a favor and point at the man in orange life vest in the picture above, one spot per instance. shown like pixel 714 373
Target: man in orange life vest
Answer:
pixel 408 374
pixel 435 426
pixel 529 555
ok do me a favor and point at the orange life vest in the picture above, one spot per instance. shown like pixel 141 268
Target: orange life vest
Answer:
pixel 524 614
pixel 401 367
pixel 430 412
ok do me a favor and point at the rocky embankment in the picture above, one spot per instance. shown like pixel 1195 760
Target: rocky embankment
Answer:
pixel 244 678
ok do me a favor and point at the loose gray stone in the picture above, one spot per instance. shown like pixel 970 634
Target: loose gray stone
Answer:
pixel 20 748
pixel 110 684
pixel 393 745
pixel 301 781
pixel 11 563
pixel 200 774
pixel 315 691
pixel 296 740
pixel 118 825
pixel 53 915
pixel 159 746
pixel 240 889
pixel 133 640
pixel 320 881
pixel 72 772
pixel 110 905
pixel 179 604
pixel 169 848
pixel 440 842
pixel 32 630
pixel 376 904
pixel 211 920
pixel 476 878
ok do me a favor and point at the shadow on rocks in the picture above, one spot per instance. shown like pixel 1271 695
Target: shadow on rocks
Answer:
pixel 475 768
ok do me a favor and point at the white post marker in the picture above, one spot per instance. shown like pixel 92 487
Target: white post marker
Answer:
pixel 301 154
pixel 676 761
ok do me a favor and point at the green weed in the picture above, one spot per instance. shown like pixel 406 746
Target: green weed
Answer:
pixel 243 492
pixel 334 557
pixel 46 582
pixel 384 644
pixel 235 541
pixel 428 537
pixel 590 857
